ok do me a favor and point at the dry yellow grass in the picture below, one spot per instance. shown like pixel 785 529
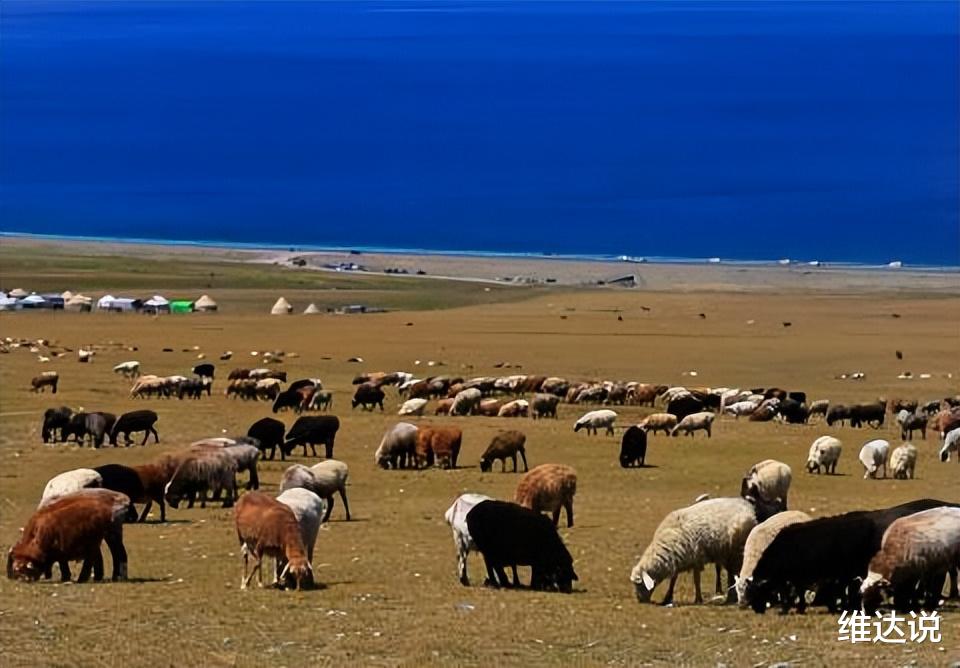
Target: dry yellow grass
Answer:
pixel 389 592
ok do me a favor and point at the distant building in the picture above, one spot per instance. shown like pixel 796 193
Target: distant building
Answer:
pixel 628 281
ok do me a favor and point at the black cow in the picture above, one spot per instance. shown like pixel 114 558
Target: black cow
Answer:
pixel 132 422
pixel 312 430
pixel 633 447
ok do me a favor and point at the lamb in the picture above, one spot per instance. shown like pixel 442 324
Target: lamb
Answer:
pixel 633 447
pixel 903 461
pixel 768 481
pixel 397 447
pixel 548 488
pixel 950 444
pixel 456 517
pixel 69 482
pixel 702 421
pixel 440 444
pixel 267 527
pixel 312 430
pixel 413 407
pixel 505 445
pixel 44 380
pixel 873 455
pixel 199 471
pixel 824 453
pixel 710 531
pixel 910 422
pixel 323 479
pixel 129 369
pixel 466 402
pixel 758 540
pixel 268 434
pixel 71 528
pixel 917 550
pixel 308 508
pixel 595 420
pixel 544 405
pixel 132 422
pixel 664 422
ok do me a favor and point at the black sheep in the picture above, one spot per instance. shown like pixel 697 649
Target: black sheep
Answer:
pixel 135 421
pixel 633 447
pixel 269 436
pixel 368 396
pixel 829 553
pixel 799 397
pixel 684 406
pixel 125 480
pixel 204 370
pixel 55 419
pixel 837 414
pixel 868 413
pixel 289 398
pixel 510 535
pixel 793 411
pixel 312 430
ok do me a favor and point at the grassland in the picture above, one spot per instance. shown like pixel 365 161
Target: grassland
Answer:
pixel 389 593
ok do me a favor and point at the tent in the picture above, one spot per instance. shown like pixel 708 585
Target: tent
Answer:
pixel 9 304
pixel 18 293
pixel 104 303
pixel 205 304
pixel 156 304
pixel 33 301
pixel 121 304
pixel 53 301
pixel 181 306
pixel 78 303
pixel 66 294
pixel 311 310
pixel 282 307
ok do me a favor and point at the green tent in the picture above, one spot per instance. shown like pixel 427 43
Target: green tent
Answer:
pixel 181 306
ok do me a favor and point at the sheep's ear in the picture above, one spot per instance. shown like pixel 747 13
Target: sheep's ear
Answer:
pixel 648 581
pixel 736 579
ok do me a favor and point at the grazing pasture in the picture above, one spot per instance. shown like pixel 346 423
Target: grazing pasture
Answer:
pixel 389 592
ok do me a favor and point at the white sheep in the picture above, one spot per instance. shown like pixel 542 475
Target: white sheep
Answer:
pixel 768 481
pixel 323 479
pixel 873 455
pixel 309 510
pixel 68 483
pixel 759 540
pixel 594 420
pixel 466 402
pixel 824 453
pixel 664 422
pixel 673 393
pixel 456 517
pixel 951 443
pixel 129 369
pixel 903 461
pixel 413 407
pixel 397 446
pixel 740 408
pixel 702 421
pixel 710 531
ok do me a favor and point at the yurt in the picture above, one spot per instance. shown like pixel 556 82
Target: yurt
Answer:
pixel 282 307
pixel 156 304
pixel 105 303
pixel 9 304
pixel 78 303
pixel 205 304
pixel 18 293
pixel 181 306
pixel 311 310
pixel 66 294
pixel 33 301
pixel 53 301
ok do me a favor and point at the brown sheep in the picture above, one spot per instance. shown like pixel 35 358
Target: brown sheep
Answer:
pixel 440 444
pixel 897 405
pixel 44 380
pixel 506 444
pixel 155 475
pixel 443 407
pixel 548 488
pixel 266 527
pixel 946 421
pixel 489 407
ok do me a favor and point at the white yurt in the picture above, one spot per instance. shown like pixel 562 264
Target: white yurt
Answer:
pixel 18 293
pixel 78 303
pixel 205 303
pixel 281 307
pixel 311 310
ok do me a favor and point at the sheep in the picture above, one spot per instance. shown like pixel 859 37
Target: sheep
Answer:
pixel 820 407
pixel 766 411
pixel 320 400
pixel 55 419
pixel 916 550
pixel 412 407
pixel 684 405
pixel 129 369
pixel 44 380
pixel 125 480
pixel 69 482
pixel 643 394
pixel 510 535
pixel 946 421
pixel 793 412
pixel 903 461
pixel 440 444
pixel 201 470
pixel 824 453
pixel 308 508
pixel 758 540
pixel 664 422
pixel 910 422
pixel 506 444
pixel 515 408
pixel 267 527
pixel 135 421
pixel 950 444
pixel 154 476
pixel 268 434
pixel 837 415
pixel 397 447
pixel 544 405
pixel 897 405
pixel 71 528
pixel 323 479
pixel 595 420
pixel 443 407
pixel 96 425
pixel 368 396
pixel 740 408
pixel 702 421
pixel 456 517
pixel 768 481
pixel 633 447
pixel 488 407
pixel 868 413
pixel 267 389
pixel 244 454
pixel 710 531
pixel 205 370
pixel 873 455
pixel 312 430
pixel 548 488
pixel 466 402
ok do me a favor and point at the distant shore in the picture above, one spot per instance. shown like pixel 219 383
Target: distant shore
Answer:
pixel 526 269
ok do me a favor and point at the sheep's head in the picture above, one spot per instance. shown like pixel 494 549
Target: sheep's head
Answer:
pixel 486 464
pixel 757 594
pixel 23 567
pixel 871 592
pixel 172 497
pixel 812 465
pixel 300 570
pixel 643 585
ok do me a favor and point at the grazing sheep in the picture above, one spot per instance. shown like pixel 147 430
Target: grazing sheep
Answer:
pixel 710 531
pixel 456 517
pixel 769 481
pixel 702 421
pixel 199 471
pixel 633 447
pixel 413 407
pixel 684 405
pixel 320 400
pixel 244 454
pixel 267 527
pixel 824 453
pixel 397 447
pixel 489 407
pixel 869 413
pixel 873 455
pixel 740 408
pixel 133 422
pixel 903 461
pixel 910 422
pixel 125 480
pixel 323 479
pixel 548 488
pixel 55 419
pixel 154 476
pixel 914 557
pixel 440 444
pixel 505 445
pixel 946 421
pixel 312 430
pixel 950 444
pixel 544 405
pixel 758 540
pixel 594 420
pixel 515 408
pixel 71 528
pixel 308 508
pixel 664 422
pixel 268 433
pixel 837 415
pixel 369 396
pixel 820 407
pixel 44 380
pixel 509 535
pixel 69 482
pixel 129 369
pixel 443 407
pixel 466 402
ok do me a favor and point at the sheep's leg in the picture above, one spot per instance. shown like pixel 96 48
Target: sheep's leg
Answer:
pixel 462 552
pixel 523 455
pixel 64 571
pixel 696 585
pixel 118 553
pixel 146 510
pixel 346 506
pixel 98 566
pixel 668 598
pixel 953 584
pixel 491 575
pixel 326 516
pixel 568 506
pixel 719 584
pixel 731 582
pixel 516 577
pixel 329 450
pixel 556 517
